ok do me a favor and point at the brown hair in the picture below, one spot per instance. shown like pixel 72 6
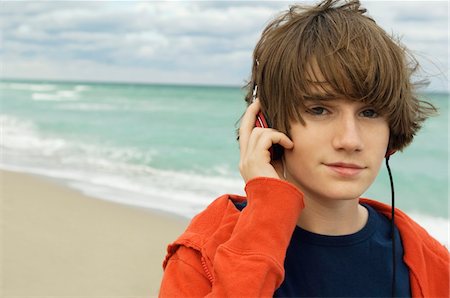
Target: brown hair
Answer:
pixel 358 60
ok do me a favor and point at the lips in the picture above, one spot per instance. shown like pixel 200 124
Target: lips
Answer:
pixel 345 169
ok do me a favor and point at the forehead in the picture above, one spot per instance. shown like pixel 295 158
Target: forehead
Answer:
pixel 317 84
pixel 331 85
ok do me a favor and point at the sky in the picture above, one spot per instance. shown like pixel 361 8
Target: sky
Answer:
pixel 180 42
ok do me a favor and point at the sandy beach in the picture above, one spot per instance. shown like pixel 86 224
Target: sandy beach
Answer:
pixel 58 242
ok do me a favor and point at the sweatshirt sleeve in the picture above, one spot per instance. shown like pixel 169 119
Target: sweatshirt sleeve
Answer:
pixel 183 276
pixel 250 263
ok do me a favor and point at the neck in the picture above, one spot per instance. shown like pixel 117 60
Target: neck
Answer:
pixel 339 217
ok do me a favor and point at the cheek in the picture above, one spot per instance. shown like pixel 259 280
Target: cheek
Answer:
pixel 306 147
pixel 302 135
pixel 308 140
pixel 380 140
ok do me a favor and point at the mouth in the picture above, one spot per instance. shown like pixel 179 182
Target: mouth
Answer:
pixel 345 169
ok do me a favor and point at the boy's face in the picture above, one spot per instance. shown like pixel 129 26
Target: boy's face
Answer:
pixel 338 152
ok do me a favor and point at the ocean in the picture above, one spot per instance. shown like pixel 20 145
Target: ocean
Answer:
pixel 173 148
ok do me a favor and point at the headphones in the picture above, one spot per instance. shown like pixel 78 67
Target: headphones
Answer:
pixel 389 152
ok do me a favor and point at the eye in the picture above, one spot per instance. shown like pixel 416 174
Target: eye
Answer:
pixel 369 113
pixel 319 111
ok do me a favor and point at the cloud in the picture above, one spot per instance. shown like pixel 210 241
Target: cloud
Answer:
pixel 208 42
pixel 423 29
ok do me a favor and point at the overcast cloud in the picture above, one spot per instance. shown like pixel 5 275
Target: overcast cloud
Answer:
pixel 202 42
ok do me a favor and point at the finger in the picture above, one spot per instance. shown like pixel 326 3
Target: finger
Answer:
pixel 247 125
pixel 283 140
pixel 263 138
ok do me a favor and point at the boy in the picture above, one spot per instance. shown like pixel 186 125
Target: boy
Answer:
pixel 338 93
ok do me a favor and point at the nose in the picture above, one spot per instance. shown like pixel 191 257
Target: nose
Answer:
pixel 348 134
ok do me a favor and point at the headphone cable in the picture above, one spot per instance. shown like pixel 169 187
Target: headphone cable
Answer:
pixel 392 225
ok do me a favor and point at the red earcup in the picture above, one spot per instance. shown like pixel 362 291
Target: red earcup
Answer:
pixel 390 152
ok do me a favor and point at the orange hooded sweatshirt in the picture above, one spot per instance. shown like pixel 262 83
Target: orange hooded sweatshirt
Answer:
pixel 228 253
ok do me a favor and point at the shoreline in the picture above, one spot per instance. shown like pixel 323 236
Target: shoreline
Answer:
pixel 57 241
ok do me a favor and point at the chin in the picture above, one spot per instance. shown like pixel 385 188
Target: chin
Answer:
pixel 332 189
pixel 337 194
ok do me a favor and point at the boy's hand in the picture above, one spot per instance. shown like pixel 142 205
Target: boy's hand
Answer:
pixel 254 144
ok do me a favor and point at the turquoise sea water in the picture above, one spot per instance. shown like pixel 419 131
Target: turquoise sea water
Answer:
pixel 173 147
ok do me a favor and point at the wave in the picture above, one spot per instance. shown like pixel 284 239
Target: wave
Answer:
pixel 87 107
pixel 47 92
pixel 80 88
pixel 38 87
pixel 21 135
pixel 60 95
pixel 107 171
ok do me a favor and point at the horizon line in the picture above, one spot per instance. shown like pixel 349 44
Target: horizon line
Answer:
pixel 178 84
pixel 186 84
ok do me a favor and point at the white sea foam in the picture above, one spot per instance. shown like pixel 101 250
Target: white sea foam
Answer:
pixel 106 171
pixel 29 86
pixel 51 93
pixel 90 107
pixel 144 190
pixel 19 136
pixel 22 135
pixel 80 88
pixel 60 95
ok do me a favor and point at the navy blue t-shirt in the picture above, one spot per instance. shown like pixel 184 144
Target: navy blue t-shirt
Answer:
pixel 356 265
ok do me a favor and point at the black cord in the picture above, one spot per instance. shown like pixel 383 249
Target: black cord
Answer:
pixel 392 224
